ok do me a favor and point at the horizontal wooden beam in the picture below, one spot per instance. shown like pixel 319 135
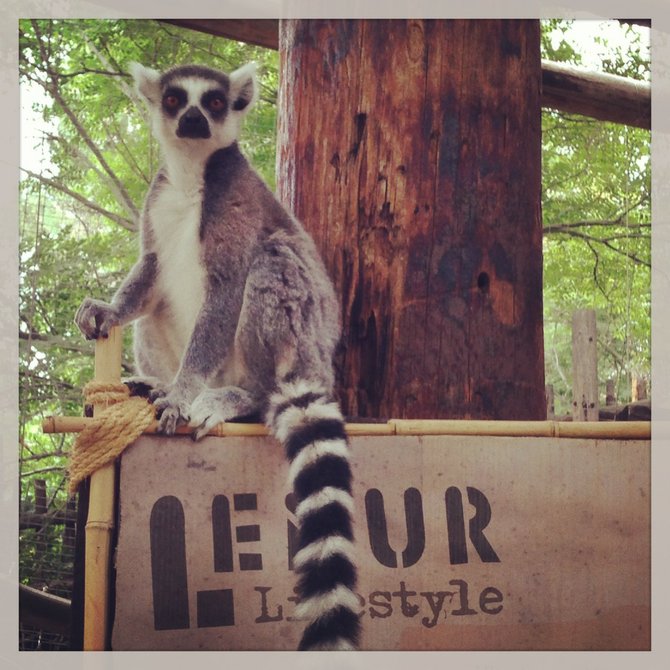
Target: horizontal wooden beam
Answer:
pixel 600 96
pixel 645 23
pixel 261 32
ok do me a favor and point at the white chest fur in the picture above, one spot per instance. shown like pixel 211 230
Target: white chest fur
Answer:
pixel 175 218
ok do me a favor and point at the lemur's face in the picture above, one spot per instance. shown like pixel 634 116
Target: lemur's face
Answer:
pixel 195 106
pixel 191 105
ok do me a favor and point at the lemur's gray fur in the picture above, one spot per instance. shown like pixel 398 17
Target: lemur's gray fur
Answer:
pixel 234 316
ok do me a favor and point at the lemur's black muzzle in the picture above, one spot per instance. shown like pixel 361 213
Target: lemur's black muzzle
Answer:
pixel 193 124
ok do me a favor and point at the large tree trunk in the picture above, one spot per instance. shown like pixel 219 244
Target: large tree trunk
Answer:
pixel 411 151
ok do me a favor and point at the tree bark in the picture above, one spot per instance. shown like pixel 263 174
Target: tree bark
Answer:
pixel 411 151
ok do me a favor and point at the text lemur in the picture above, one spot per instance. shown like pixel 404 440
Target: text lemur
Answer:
pixel 234 316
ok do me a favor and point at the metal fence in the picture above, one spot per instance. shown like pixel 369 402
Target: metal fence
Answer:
pixel 46 565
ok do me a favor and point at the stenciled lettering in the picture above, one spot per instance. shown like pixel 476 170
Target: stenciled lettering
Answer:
pixel 458 551
pixel 265 612
pixel 477 524
pixel 168 564
pixel 216 607
pixel 378 531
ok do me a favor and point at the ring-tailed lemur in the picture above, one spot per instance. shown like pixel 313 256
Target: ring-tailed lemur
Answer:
pixel 234 316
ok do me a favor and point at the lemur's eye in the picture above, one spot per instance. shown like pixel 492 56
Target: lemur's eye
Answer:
pixel 171 101
pixel 217 104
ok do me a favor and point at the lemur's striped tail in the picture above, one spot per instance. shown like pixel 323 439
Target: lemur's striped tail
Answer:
pixel 310 426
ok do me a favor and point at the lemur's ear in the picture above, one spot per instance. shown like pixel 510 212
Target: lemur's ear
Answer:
pixel 244 88
pixel 146 82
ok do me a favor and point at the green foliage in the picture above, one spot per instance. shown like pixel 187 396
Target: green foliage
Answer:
pixel 79 215
pixel 597 218
pixel 553 41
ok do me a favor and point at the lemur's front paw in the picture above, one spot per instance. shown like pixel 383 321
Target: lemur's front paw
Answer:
pixel 206 412
pixel 95 318
pixel 171 410
pixel 213 406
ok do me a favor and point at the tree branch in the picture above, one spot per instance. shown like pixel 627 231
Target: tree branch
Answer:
pixel 55 341
pixel 55 468
pixel 123 149
pixel 122 193
pixel 53 89
pixel 568 227
pixel 46 382
pixel 115 139
pixel 125 88
pixel 48 454
pixel 77 73
pixel 604 241
pixel 122 221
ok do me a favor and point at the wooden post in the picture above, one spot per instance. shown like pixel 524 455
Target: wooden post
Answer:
pixel 411 151
pixel 41 506
pixel 549 393
pixel 585 406
pixel 100 522
pixel 610 392
pixel 638 388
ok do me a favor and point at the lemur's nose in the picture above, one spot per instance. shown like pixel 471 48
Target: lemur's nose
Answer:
pixel 193 114
pixel 193 124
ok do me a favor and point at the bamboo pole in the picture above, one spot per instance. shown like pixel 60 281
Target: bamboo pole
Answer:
pixel 100 522
pixel 623 430
pixel 75 424
pixel 572 429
